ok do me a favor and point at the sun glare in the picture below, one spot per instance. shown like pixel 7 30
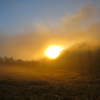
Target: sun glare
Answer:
pixel 53 52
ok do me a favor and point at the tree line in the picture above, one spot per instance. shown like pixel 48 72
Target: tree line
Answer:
pixel 86 62
pixel 9 61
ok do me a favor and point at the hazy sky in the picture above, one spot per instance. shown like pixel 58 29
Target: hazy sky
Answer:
pixel 17 15
pixel 28 27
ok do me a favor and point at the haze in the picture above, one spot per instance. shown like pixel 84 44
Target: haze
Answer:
pixel 29 41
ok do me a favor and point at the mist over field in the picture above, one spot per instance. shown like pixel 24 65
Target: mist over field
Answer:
pixel 75 74
pixel 27 73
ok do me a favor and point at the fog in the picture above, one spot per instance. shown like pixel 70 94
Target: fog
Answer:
pixel 82 26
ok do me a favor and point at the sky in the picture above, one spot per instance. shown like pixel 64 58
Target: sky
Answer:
pixel 28 27
pixel 17 15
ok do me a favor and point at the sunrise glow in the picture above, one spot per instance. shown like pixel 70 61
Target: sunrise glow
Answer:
pixel 53 52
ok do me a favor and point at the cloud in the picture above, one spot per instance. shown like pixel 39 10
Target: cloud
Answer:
pixel 84 26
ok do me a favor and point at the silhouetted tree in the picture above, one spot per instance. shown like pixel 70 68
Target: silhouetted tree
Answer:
pixel 81 69
pixel 1 60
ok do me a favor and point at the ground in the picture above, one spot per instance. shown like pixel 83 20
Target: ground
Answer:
pixel 11 89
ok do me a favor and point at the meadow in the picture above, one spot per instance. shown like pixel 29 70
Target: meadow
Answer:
pixel 43 90
pixel 74 75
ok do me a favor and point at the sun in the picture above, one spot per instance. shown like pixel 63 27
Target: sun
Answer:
pixel 53 52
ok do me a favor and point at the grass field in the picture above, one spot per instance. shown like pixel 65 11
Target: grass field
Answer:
pixel 17 83
pixel 42 90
